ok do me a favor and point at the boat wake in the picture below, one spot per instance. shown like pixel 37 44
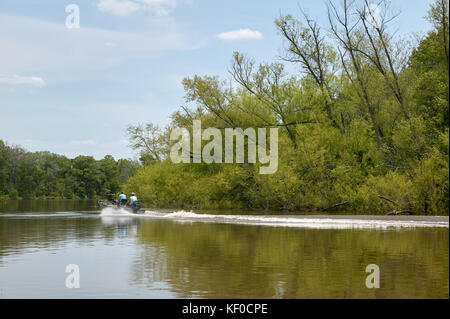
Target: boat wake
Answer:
pixel 115 212
pixel 310 221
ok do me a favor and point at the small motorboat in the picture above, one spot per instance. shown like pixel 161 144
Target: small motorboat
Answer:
pixel 134 208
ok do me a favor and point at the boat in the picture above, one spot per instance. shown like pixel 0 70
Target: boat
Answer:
pixel 134 208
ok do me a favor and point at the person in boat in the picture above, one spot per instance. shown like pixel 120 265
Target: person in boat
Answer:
pixel 133 199
pixel 133 203
pixel 122 199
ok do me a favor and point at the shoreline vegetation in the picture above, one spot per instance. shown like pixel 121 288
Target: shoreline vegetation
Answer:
pixel 363 127
pixel 40 175
pixel 21 204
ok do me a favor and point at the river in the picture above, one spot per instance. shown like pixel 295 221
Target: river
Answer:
pixel 168 254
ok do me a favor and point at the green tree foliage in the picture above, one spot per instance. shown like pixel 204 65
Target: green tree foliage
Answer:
pixel 43 174
pixel 364 126
pixel 149 139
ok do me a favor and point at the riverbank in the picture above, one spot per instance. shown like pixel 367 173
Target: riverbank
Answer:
pixel 285 212
pixel 304 221
pixel 55 204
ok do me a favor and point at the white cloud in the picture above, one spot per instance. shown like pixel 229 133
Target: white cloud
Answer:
pixel 241 34
pixel 21 80
pixel 127 7
pixel 118 8
pixel 30 46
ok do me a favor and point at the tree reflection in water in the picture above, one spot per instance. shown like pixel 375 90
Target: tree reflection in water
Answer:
pixel 211 260
pixel 237 261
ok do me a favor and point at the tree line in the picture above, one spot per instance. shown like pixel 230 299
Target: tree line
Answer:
pixel 46 175
pixel 364 124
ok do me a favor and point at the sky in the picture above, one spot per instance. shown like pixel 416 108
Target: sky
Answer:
pixel 74 91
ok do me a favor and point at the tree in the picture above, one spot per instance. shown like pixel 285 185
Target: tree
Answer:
pixel 149 139
pixel 381 51
pixel 307 46
pixel 438 16
pixel 43 174
pixel 429 62
pixel 269 86
pixel 110 178
pixel 343 27
pixel 4 176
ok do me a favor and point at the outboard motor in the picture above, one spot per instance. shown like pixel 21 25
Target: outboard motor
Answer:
pixel 136 206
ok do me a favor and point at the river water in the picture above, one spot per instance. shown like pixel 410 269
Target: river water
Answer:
pixel 176 254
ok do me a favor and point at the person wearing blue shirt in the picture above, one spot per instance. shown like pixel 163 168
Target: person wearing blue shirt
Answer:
pixel 122 199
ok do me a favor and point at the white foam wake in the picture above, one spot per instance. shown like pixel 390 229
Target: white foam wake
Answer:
pixel 111 211
pixel 322 222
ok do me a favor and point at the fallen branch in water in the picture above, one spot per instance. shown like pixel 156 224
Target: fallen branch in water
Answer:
pixel 396 212
pixel 400 212
pixel 388 199
pixel 336 205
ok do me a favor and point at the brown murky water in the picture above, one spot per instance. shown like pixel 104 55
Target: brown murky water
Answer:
pixel 136 257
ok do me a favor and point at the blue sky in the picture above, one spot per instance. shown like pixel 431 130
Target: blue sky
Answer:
pixel 74 91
